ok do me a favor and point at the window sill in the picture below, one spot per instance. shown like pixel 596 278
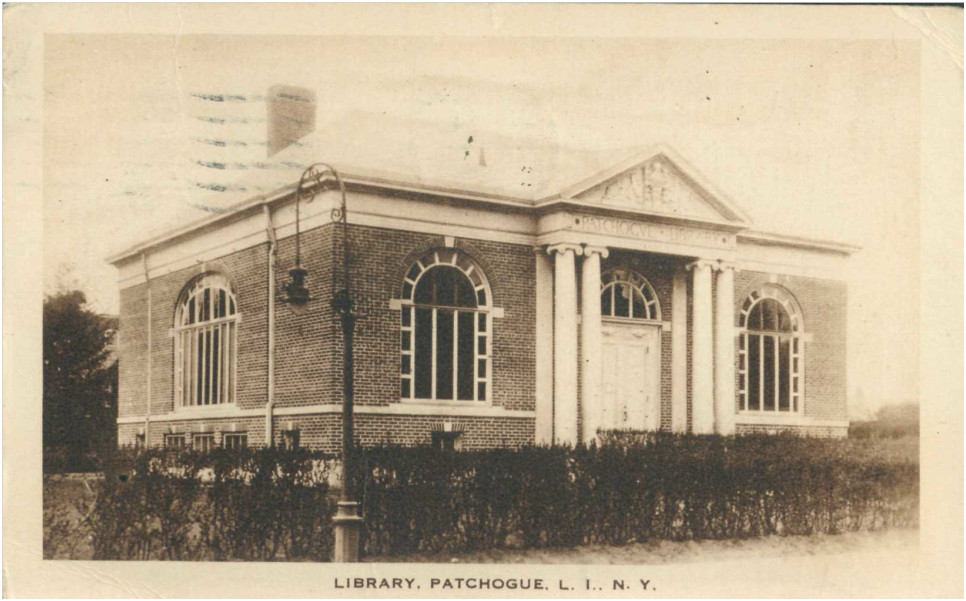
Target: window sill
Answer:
pixel 453 408
pixel 411 407
pixel 193 413
pixel 205 409
pixel 404 407
pixel 444 403
pixel 793 419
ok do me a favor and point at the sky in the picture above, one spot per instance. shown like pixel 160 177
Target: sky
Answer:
pixel 811 137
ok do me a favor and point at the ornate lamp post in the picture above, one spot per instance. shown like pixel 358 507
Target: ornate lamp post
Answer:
pixel 347 521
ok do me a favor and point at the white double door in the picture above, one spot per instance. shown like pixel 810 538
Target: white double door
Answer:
pixel 631 378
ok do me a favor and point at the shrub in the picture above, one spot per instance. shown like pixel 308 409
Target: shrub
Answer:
pixel 275 504
pixel 634 487
pixel 225 505
pixel 67 509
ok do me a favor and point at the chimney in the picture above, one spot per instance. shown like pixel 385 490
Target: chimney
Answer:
pixel 291 116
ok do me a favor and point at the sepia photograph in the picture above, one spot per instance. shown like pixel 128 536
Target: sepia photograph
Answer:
pixel 483 300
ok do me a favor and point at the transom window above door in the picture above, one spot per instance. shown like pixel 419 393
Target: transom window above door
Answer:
pixel 625 293
pixel 445 329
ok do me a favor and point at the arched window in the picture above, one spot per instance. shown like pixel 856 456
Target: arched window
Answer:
pixel 625 293
pixel 445 329
pixel 206 344
pixel 770 352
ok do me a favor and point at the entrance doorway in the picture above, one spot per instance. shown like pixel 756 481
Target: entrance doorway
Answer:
pixel 630 395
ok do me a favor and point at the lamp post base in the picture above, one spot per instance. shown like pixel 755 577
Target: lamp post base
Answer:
pixel 348 533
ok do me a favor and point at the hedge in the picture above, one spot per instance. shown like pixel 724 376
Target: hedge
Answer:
pixel 269 504
pixel 224 505
pixel 635 487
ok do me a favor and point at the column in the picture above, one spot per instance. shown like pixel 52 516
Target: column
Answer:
pixel 724 350
pixel 543 430
pixel 679 352
pixel 702 365
pixel 564 342
pixel 590 341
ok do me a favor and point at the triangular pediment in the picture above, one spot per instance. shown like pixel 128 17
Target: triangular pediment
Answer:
pixel 658 184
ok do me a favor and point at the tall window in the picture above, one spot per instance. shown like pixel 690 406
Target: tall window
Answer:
pixel 625 293
pixel 445 329
pixel 770 353
pixel 206 327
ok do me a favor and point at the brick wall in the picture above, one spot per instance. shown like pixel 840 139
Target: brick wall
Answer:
pixel 324 431
pixel 132 352
pixel 511 270
pixel 823 304
pixel 308 360
pixel 309 344
pixel 253 427
pixel 246 269
pixel 127 434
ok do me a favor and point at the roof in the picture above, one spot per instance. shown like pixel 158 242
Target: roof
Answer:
pixel 438 158
pixel 434 154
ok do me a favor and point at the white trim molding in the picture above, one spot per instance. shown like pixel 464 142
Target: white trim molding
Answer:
pixel 403 408
pixel 410 408
pixel 778 421
pixel 196 413
pixel 777 239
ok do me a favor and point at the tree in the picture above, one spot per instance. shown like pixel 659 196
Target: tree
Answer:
pixel 80 383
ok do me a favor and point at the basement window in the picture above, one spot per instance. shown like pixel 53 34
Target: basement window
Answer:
pixel 174 441
pixel 446 441
pixel 203 443
pixel 290 440
pixel 235 440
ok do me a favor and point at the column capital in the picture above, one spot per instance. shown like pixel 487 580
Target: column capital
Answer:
pixel 700 263
pixel 598 250
pixel 564 247
pixel 726 265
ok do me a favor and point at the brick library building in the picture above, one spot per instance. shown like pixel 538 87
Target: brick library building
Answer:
pixel 509 292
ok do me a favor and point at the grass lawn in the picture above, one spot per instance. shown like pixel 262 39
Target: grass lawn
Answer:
pixel 665 552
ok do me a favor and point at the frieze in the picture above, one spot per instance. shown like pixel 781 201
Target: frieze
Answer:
pixel 660 232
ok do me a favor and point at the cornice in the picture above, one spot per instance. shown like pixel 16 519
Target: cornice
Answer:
pixel 519 205
pixel 358 183
pixel 774 239
pixel 557 204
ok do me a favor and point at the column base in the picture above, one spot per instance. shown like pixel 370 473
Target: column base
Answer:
pixel 347 525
